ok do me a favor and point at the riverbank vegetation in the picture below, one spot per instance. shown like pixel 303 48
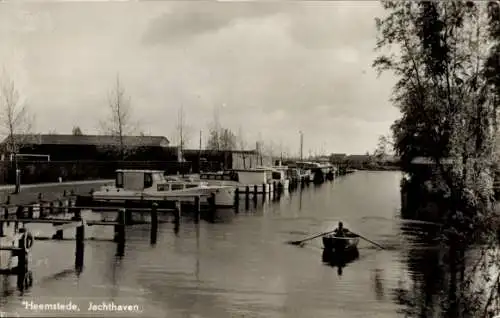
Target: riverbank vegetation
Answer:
pixel 445 56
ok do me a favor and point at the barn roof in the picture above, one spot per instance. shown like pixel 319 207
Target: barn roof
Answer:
pixel 94 140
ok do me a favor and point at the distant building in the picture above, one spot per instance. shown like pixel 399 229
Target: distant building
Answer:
pixel 93 147
pixel 337 158
pixel 225 159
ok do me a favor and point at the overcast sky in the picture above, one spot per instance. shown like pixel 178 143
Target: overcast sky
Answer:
pixel 270 68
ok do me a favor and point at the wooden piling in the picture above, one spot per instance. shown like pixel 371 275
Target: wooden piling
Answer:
pixel 6 211
pixel 255 192
pixel 128 217
pixel 197 209
pixel 6 214
pixel 213 204
pixel 61 207
pixel 120 233
pixel 236 198
pixel 154 223
pixel 80 245
pixel 247 197
pixel 263 192
pixel 30 212
pixel 21 269
pixel 177 212
pixel 59 235
pixel 22 260
pixel 19 215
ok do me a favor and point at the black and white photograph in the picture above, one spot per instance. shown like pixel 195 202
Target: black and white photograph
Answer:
pixel 250 158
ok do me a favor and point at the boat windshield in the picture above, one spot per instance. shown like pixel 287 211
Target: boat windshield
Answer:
pixel 158 177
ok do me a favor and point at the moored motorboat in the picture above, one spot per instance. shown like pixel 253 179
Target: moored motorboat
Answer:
pixel 152 185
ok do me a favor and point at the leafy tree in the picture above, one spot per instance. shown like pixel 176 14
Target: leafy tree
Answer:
pixel 447 91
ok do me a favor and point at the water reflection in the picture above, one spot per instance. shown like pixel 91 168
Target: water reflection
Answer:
pixel 339 259
pixel 438 287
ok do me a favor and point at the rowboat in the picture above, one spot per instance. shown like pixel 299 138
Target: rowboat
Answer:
pixel 338 251
pixel 340 244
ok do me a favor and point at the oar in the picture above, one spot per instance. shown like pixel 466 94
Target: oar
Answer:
pixel 368 240
pixel 309 238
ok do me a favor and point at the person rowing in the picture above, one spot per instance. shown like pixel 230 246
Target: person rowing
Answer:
pixel 340 233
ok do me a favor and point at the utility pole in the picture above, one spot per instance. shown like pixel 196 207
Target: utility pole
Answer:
pixel 181 124
pixel 199 156
pixel 301 144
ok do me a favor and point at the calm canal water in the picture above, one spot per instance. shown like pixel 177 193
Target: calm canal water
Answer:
pixel 240 266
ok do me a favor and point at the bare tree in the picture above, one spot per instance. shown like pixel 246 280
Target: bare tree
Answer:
pixel 223 139
pixel 220 138
pixel 242 144
pixel 183 132
pixel 77 131
pixel 269 151
pixel 15 120
pixel 119 123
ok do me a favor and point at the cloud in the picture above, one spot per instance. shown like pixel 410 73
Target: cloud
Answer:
pixel 326 25
pixel 184 21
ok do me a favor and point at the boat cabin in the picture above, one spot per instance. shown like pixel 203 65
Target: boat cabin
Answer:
pixel 151 180
pixel 242 176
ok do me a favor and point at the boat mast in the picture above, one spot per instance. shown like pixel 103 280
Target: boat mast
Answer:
pixel 199 155
pixel 301 143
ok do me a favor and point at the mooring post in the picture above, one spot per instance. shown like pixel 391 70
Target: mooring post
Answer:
pixel 263 192
pixel 128 213
pixel 197 209
pixel 1 230
pixel 61 207
pixel 22 259
pixel 120 232
pixel 177 212
pixel 255 192
pixel 6 214
pixel 80 239
pixel 154 223
pixel 19 215
pixel 236 198
pixel 247 197
pixel 213 203
pixel 59 235
pixel 30 212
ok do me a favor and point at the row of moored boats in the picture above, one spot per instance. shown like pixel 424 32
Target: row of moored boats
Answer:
pixel 154 185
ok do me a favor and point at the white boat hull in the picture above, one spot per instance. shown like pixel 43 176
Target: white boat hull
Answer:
pixel 224 196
